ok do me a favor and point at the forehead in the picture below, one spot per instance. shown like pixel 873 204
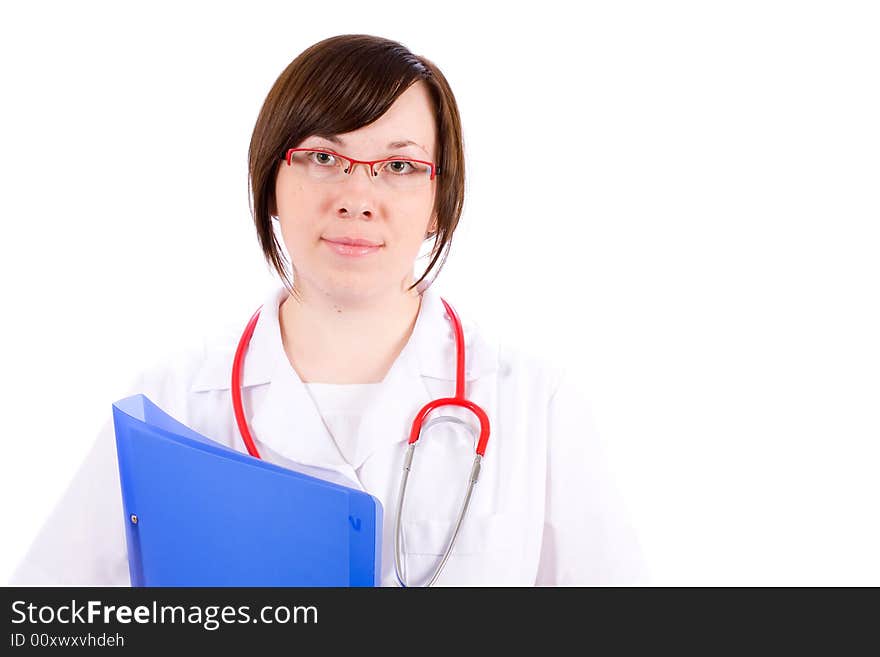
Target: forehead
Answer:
pixel 409 122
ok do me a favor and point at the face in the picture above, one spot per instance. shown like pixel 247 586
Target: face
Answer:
pixel 359 207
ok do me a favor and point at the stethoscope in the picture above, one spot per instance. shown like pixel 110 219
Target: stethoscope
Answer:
pixel 414 434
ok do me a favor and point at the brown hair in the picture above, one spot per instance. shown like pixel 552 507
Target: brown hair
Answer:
pixel 339 85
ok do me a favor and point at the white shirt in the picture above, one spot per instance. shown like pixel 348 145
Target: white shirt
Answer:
pixel 544 511
pixel 341 407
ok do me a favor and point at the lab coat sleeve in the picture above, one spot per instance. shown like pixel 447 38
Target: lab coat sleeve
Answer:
pixel 82 542
pixel 588 535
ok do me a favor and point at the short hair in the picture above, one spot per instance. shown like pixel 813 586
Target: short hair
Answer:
pixel 339 85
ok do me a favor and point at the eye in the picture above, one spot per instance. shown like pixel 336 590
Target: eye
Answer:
pixel 403 167
pixel 321 158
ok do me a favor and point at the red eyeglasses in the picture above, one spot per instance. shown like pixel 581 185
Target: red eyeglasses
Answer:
pixel 331 167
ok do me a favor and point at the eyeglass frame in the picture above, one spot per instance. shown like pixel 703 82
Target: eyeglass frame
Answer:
pixel 435 170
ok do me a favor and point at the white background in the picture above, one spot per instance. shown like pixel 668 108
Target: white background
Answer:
pixel 678 200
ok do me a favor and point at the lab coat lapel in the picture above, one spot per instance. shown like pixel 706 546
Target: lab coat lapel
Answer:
pixel 286 419
pixel 388 418
pixel 429 355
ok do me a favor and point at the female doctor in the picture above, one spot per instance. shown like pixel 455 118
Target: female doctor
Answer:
pixel 357 159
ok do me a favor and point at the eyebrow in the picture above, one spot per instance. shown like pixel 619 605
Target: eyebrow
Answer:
pixel 394 144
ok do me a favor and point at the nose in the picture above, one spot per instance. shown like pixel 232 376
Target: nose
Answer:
pixel 363 207
pixel 364 212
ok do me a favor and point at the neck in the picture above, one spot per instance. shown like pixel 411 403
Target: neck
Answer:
pixel 331 341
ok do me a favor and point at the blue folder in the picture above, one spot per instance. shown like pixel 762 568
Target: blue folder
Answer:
pixel 198 513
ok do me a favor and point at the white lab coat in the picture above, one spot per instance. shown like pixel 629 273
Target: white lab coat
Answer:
pixel 544 511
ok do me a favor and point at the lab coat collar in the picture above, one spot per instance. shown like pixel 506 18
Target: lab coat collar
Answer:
pixel 287 419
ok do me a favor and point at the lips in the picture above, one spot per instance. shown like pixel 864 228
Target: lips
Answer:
pixel 352 250
pixel 352 241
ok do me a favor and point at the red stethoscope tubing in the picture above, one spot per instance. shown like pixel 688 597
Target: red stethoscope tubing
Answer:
pixel 458 400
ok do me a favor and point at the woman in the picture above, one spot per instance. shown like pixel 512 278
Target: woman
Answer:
pixel 343 356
